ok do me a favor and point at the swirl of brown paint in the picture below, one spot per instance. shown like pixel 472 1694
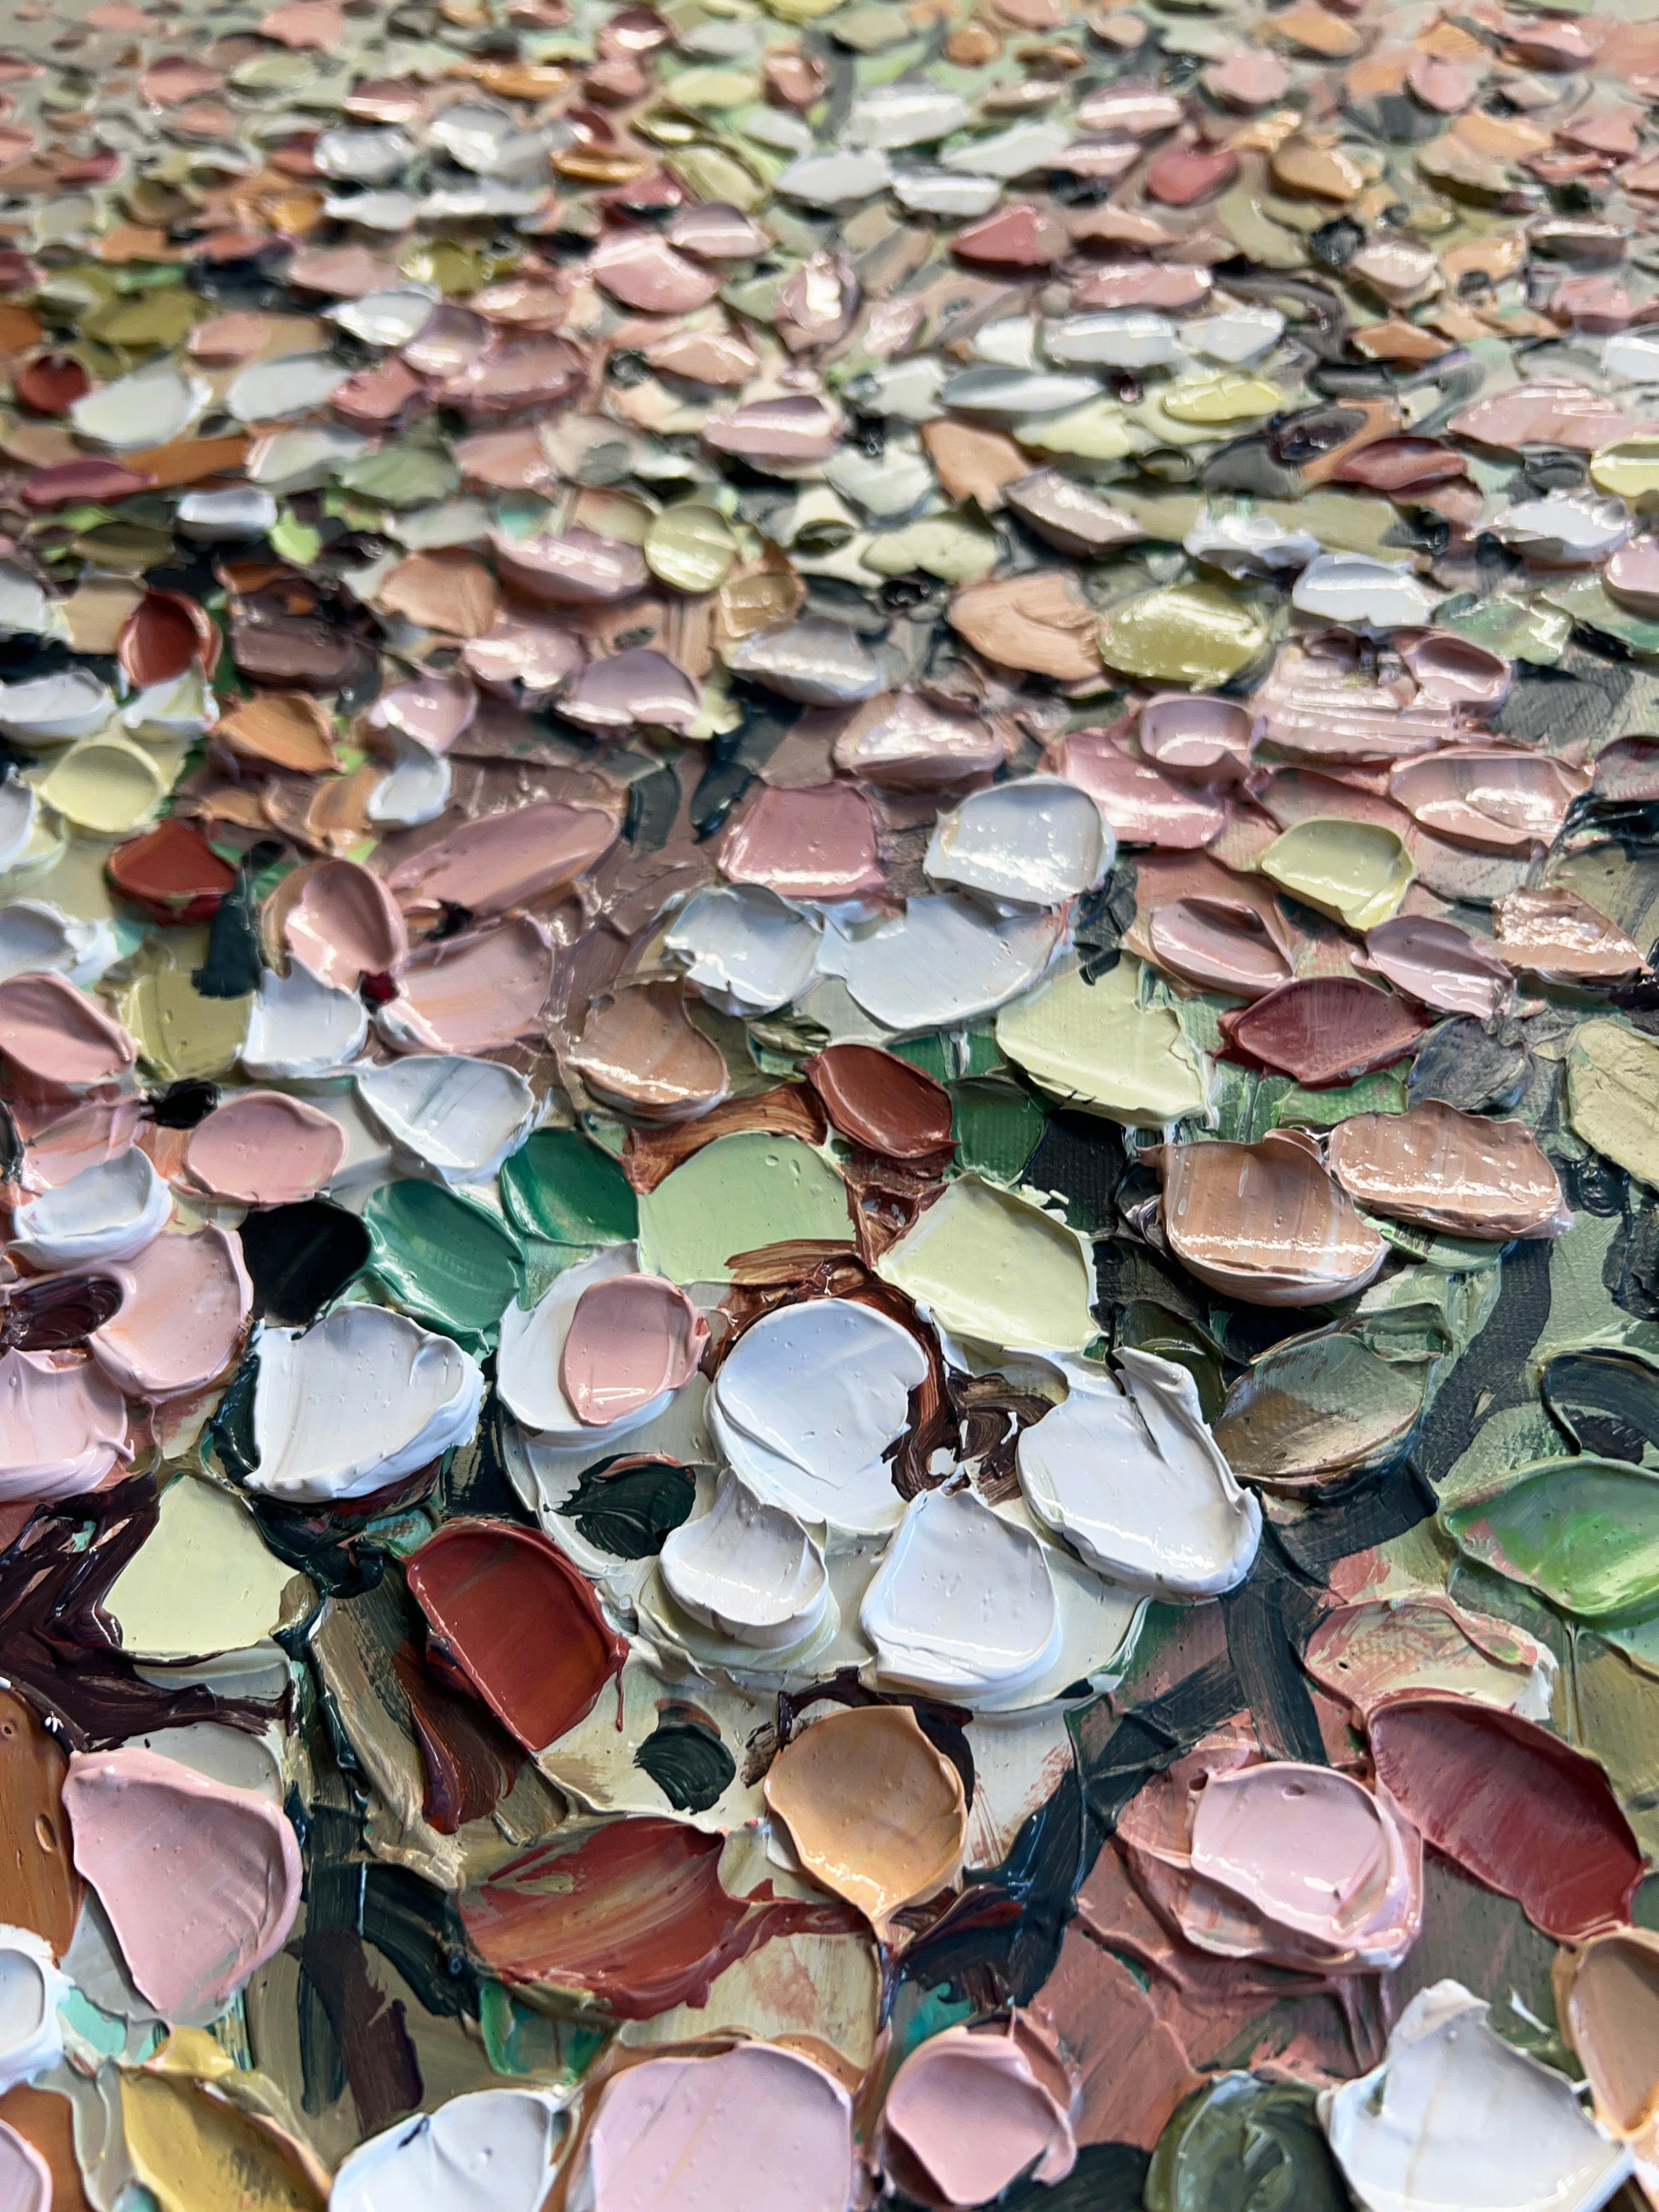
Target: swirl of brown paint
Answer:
pixel 789 1109
pixel 879 1101
pixel 632 1914
pixel 507 1607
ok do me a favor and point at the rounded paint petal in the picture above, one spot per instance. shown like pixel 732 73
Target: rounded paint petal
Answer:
pixel 201 1882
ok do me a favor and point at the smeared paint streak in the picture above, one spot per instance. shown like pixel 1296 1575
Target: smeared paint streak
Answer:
pixel 632 1914
pixel 1131 2070
pixel 39 1887
pixel 197 2152
pixel 54 1647
pixel 1238 2144
pixel 1367 1652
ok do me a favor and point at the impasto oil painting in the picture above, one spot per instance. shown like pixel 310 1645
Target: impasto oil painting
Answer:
pixel 829 1105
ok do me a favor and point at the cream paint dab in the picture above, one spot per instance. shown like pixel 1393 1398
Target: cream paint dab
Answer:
pixel 963 1604
pixel 1611 1074
pixel 986 1265
pixel 204 1583
pixel 1096 1046
pixel 201 1882
pixel 1359 871
pixel 1456 2118
pixel 806 1404
pixel 106 785
pixel 1134 1478
pixel 1422 1641
pixel 747 1570
pixel 357 1403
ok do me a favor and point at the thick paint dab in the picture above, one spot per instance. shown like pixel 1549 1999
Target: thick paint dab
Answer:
pixel 201 1882
pixel 300 1257
pixel 875 1812
pixel 1515 1805
pixel 509 1609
